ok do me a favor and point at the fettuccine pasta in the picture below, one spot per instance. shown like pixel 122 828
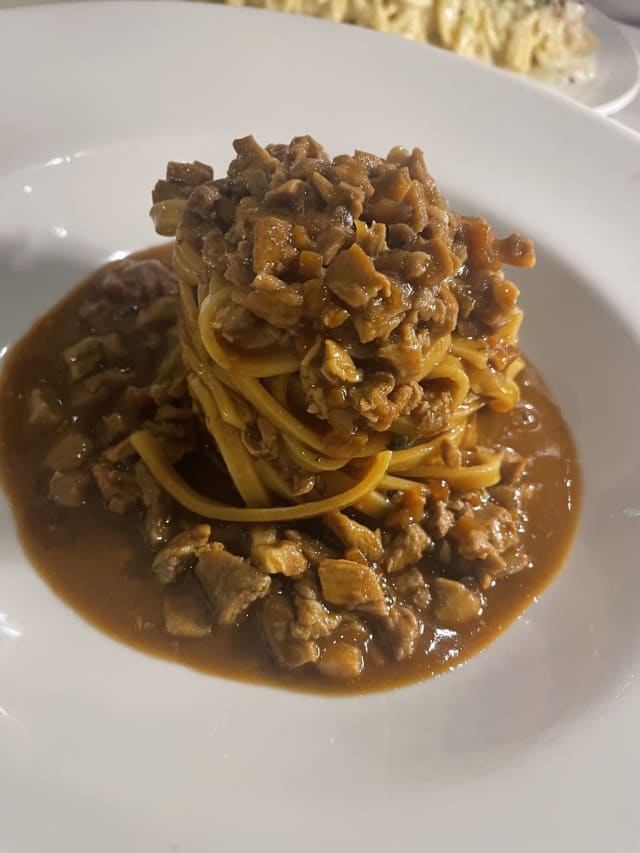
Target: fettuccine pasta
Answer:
pixel 297 403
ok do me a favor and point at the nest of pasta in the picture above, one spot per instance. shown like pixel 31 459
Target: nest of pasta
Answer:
pixel 340 327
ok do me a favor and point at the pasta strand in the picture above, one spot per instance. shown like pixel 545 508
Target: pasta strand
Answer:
pixel 153 455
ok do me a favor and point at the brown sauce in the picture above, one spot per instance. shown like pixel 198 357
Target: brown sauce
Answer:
pixel 99 564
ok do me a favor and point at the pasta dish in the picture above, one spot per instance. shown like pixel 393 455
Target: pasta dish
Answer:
pixel 314 405
pixel 309 316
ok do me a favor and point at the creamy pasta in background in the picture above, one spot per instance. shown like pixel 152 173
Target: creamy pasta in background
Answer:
pixel 548 38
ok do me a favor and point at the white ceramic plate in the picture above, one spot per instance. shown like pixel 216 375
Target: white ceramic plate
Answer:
pixel 529 747
pixel 617 80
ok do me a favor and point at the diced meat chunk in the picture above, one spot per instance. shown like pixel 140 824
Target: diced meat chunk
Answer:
pixel 181 180
pixel 404 352
pixel 277 616
pixel 355 555
pixel 514 497
pixel 231 583
pixel 100 385
pixel 403 630
pixel 69 452
pixel 354 279
pixel 500 525
pixel 313 617
pixel 272 300
pixel 82 358
pixel 341 660
pixel 272 245
pixel 319 302
pixel 313 549
pixel 118 487
pixel 337 365
pixel 189 174
pixel 285 558
pixel 43 408
pixel 372 400
pixel 406 548
pixel 290 194
pixel 412 588
pixel 186 616
pixel 515 250
pixel 68 489
pixel 455 604
pixel 349 584
pixel 107 380
pixel 355 535
pixel 180 553
pixel 332 239
pixel 440 519
pixel 373 238
pixel 173 427
pixel 483 536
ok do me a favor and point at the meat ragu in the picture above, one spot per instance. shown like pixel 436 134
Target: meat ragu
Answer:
pixel 299 444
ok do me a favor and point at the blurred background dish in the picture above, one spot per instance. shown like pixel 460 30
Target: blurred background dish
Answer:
pixel 616 80
pixel 566 44
pixel 550 39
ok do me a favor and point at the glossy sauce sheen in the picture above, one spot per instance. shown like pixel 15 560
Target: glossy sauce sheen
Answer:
pixel 98 562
